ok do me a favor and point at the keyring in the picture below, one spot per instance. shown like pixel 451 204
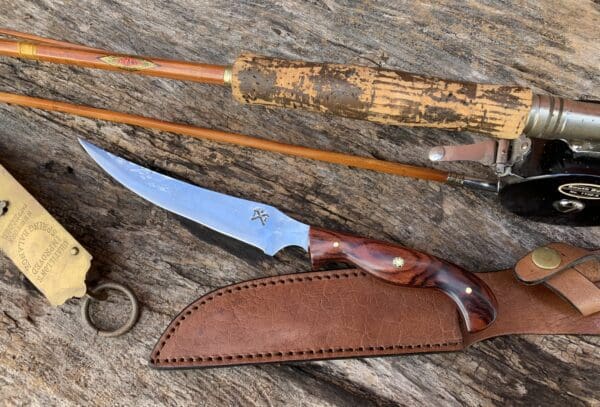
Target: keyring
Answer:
pixel 93 294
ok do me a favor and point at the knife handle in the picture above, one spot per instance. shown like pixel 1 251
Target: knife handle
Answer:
pixel 382 95
pixel 407 267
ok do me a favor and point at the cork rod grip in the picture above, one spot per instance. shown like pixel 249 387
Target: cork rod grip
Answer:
pixel 382 95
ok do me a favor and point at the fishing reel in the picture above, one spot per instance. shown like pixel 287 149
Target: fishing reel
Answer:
pixel 552 172
pixel 547 180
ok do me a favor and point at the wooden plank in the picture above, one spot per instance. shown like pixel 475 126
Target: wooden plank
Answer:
pixel 552 46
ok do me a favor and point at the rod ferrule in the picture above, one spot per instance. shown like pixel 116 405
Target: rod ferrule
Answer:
pixel 227 75
pixel 27 50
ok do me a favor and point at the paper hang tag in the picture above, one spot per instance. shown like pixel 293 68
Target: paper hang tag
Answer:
pixel 38 245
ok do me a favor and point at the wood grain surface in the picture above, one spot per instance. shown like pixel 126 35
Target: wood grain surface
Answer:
pixel 48 358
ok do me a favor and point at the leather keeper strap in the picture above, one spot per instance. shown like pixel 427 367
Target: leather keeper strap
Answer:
pixel 569 271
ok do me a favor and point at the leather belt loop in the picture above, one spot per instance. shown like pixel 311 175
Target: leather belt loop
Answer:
pixel 573 276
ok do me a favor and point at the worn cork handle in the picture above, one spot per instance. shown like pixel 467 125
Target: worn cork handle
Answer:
pixel 382 96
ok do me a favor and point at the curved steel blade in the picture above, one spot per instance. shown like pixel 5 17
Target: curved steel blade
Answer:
pixel 251 222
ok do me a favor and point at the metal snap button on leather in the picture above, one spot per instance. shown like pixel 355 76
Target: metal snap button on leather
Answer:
pixel 546 258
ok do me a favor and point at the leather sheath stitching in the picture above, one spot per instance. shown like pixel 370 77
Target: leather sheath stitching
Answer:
pixel 266 355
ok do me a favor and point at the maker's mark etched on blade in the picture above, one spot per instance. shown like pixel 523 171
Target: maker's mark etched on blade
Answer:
pixel 261 215
pixel 259 225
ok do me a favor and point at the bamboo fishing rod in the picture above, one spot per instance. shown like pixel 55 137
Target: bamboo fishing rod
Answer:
pixel 61 52
pixel 247 141
pixel 375 94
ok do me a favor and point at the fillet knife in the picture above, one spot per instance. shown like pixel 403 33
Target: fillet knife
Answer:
pixel 270 230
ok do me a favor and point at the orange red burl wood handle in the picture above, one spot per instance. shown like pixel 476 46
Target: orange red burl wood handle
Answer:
pixel 407 267
pixel 382 95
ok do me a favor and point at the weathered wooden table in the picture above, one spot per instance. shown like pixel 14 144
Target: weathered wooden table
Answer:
pixel 46 357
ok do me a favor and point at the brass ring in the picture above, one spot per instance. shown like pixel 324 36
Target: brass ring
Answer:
pixel 93 294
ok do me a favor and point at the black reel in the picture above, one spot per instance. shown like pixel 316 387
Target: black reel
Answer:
pixel 558 186
pixel 562 199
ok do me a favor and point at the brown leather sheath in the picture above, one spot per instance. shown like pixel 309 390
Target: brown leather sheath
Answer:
pixel 348 313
